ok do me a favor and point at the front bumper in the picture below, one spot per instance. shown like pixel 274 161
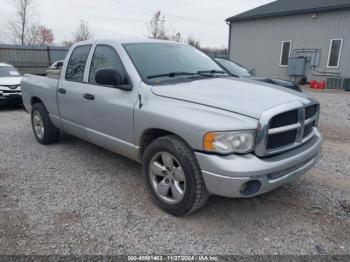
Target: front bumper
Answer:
pixel 247 175
pixel 13 99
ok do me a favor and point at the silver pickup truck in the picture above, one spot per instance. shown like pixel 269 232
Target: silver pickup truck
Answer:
pixel 196 130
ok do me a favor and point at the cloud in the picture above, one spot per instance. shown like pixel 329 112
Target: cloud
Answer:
pixel 204 19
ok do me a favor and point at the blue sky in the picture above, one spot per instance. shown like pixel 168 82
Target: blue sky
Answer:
pixel 204 19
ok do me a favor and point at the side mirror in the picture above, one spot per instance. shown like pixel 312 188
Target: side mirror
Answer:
pixel 253 71
pixel 110 77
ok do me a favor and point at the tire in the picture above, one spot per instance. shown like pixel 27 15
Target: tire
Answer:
pixel 185 180
pixel 44 131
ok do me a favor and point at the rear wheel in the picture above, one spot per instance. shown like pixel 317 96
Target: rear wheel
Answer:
pixel 45 132
pixel 173 176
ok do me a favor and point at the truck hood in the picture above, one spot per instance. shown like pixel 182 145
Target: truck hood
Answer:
pixel 242 96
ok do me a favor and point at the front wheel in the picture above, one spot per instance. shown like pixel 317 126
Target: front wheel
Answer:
pixel 45 132
pixel 173 176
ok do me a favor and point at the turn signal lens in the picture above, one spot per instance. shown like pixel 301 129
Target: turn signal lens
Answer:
pixel 209 141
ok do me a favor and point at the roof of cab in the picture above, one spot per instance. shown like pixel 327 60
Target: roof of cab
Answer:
pixel 126 41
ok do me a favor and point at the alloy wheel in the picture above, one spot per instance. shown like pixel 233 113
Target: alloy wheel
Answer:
pixel 38 125
pixel 167 178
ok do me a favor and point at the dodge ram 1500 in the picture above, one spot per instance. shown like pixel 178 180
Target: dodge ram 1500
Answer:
pixel 196 130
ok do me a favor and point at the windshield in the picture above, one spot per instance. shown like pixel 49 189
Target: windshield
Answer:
pixel 157 62
pixel 8 71
pixel 234 69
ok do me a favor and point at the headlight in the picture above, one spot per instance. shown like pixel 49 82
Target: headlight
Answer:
pixel 230 142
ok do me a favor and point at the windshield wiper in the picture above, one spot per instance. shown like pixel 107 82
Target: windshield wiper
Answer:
pixel 211 72
pixel 205 73
pixel 171 74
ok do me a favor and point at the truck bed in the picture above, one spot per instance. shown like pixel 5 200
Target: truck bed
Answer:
pixel 43 87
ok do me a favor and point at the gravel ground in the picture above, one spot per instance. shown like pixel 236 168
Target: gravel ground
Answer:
pixel 335 126
pixel 76 198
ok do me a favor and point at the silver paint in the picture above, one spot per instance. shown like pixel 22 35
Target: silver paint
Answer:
pixel 114 120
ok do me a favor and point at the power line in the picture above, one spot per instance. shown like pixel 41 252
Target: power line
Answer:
pixel 167 14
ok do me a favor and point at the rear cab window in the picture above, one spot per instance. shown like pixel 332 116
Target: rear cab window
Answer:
pixel 77 62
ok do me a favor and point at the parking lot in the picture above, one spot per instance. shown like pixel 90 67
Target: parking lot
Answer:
pixel 76 198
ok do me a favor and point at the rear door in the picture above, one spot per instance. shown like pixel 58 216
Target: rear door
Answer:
pixel 110 110
pixel 70 93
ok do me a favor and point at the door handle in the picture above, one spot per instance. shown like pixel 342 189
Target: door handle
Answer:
pixel 62 91
pixel 89 96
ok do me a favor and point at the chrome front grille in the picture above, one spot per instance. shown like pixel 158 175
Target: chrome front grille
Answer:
pixel 287 126
pixel 281 139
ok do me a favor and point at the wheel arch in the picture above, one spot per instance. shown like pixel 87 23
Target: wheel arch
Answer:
pixel 36 100
pixel 150 135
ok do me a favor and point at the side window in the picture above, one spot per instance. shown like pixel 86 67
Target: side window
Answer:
pixel 285 52
pixel 334 53
pixel 106 57
pixel 77 62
